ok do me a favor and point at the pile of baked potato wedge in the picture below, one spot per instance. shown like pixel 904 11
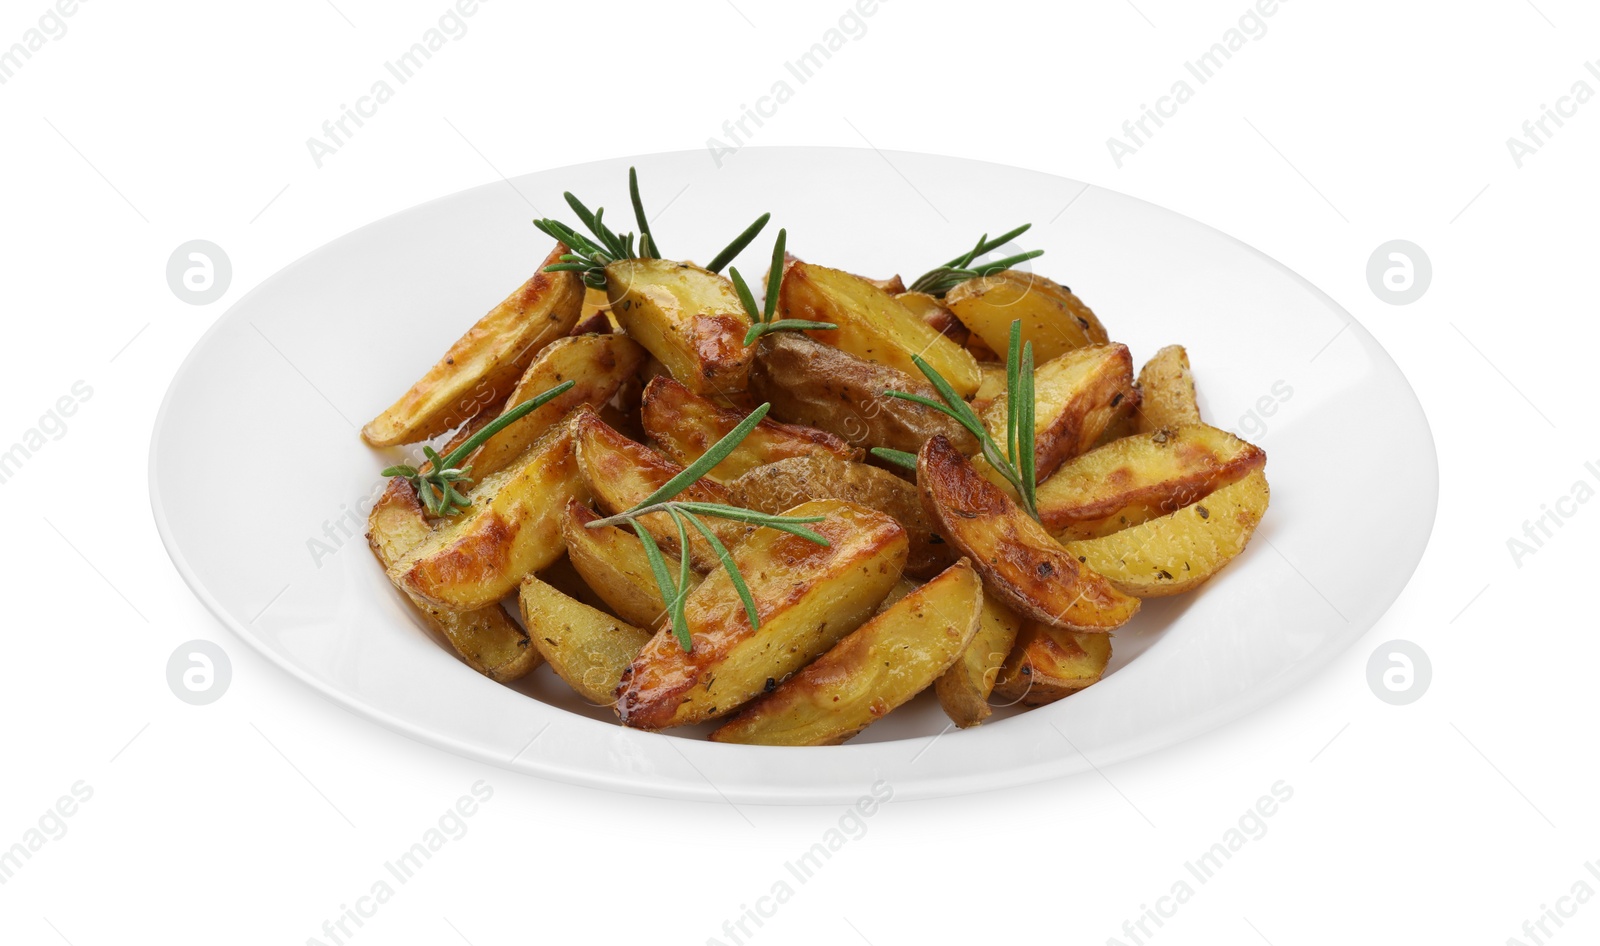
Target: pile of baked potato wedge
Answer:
pixel 928 579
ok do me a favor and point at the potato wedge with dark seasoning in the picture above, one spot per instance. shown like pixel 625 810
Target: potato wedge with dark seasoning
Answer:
pixel 787 483
pixel 482 367
pixel 1168 388
pixel 1138 478
pixel 964 689
pixel 872 324
pixel 1182 550
pixel 587 648
pixel 613 564
pixel 486 638
pixel 1076 396
pixel 1048 663
pixel 808 597
pixel 685 425
pixel 513 527
pixel 621 474
pixel 689 318
pixel 1054 319
pixel 1021 564
pixel 597 364
pixel 810 383
pixel 880 666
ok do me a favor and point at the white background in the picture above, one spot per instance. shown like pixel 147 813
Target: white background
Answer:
pixel 253 820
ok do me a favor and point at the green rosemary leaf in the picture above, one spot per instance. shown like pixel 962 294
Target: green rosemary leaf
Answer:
pixel 401 470
pixel 1027 472
pixel 1001 265
pixel 669 591
pixel 719 451
pixel 732 569
pixel 647 240
pixel 775 276
pixel 569 267
pixel 746 299
pixel 739 243
pixel 986 245
pixel 897 457
pixel 801 325
pixel 685 553
pixel 503 421
pixel 1013 361
pixel 958 404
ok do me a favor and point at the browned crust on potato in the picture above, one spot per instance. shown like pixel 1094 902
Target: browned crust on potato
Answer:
pixel 933 312
pixel 786 483
pixel 486 638
pixel 844 581
pixel 1021 564
pixel 810 383
pixel 612 563
pixel 1048 663
pixel 1141 477
pixel 963 690
pixel 621 473
pixel 483 365
pixel 686 425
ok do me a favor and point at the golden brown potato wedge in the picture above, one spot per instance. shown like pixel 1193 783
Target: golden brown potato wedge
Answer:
pixel 1138 478
pixel 597 364
pixel 487 639
pixel 621 474
pixel 810 383
pixel 992 386
pixel 1168 388
pixel 787 483
pixel 964 689
pixel 894 285
pixel 872 325
pixel 1179 551
pixel 878 667
pixel 1054 319
pixel 596 313
pixel 808 597
pixel 613 564
pixel 685 425
pixel 482 367
pixel 1021 564
pixel 587 648
pixel 512 528
pixel 933 313
pixel 1048 663
pixel 1076 395
pixel 689 318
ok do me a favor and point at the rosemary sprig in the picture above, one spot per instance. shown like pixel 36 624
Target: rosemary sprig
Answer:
pixel 897 457
pixel 761 320
pixel 1016 464
pixel 739 243
pixel 685 514
pixel 437 486
pixel 942 279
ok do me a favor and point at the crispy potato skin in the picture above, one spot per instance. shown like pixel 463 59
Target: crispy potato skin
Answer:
pixel 933 313
pixel 1076 396
pixel 482 367
pixel 512 528
pixel 1020 563
pixel 597 364
pixel 1054 319
pixel 621 473
pixel 613 564
pixel 689 318
pixel 964 689
pixel 587 648
pixel 810 383
pixel 878 667
pixel 1138 478
pixel 872 324
pixel 1168 387
pixel 1182 550
pixel 487 639
pixel 787 483
pixel 686 425
pixel 808 597
pixel 1048 663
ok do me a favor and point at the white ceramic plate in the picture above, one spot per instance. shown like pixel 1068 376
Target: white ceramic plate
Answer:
pixel 322 346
